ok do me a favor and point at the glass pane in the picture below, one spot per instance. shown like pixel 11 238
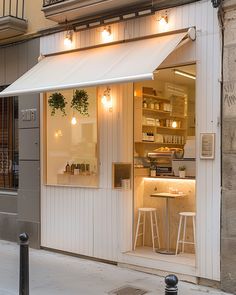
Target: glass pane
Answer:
pixel 72 141
pixel 9 142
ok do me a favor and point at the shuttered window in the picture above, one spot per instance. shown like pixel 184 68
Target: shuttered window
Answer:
pixel 9 155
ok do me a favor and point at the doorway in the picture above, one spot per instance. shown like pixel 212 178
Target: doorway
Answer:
pixel 164 215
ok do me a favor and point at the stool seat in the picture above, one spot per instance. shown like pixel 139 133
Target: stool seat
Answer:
pixel 188 214
pixel 152 212
pixel 147 209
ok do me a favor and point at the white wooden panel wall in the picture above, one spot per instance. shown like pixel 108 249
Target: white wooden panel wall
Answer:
pixel 87 221
pixel 104 229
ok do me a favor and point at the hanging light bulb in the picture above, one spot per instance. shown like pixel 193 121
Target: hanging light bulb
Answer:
pixel 68 39
pixel 163 21
pixel 106 34
pixel 73 121
pixel 58 133
pixel 174 124
pixel 106 99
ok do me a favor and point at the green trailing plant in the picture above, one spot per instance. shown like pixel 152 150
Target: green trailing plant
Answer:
pixel 80 102
pixel 182 168
pixel 56 102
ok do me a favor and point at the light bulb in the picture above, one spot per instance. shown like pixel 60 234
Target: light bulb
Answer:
pixel 68 39
pixel 106 34
pixel 107 102
pixel 58 133
pixel 73 121
pixel 163 20
pixel 174 124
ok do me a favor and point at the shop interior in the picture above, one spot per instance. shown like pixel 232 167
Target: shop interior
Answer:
pixel 164 166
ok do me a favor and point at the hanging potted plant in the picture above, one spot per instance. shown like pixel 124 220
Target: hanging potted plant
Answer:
pixel 80 102
pixel 57 101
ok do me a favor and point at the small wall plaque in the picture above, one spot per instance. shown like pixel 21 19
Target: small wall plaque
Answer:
pixel 207 148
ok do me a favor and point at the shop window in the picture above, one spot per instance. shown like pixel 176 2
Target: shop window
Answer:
pixel 9 156
pixel 71 139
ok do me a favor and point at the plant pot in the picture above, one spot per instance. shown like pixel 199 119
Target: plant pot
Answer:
pixel 182 174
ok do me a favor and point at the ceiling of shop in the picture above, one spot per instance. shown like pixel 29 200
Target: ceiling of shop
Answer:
pixel 170 76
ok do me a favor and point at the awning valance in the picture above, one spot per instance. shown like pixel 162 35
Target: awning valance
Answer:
pixel 123 62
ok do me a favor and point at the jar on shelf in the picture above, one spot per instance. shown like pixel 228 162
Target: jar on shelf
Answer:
pixel 144 104
pixel 157 106
pixel 151 105
pixel 152 170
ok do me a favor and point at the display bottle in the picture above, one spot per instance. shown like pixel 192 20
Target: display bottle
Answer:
pixel 72 168
pixel 67 169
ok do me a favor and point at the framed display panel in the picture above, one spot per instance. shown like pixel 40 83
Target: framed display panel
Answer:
pixel 207 146
pixel 72 140
pixel 121 175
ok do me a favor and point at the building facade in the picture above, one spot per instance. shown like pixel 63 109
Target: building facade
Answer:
pixel 100 222
pixel 228 150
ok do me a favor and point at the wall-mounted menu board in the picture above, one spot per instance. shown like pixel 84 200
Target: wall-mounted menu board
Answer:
pixel 207 150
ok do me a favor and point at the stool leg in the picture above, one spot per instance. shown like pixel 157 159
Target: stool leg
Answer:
pixel 137 230
pixel 194 234
pixel 157 230
pixel 178 237
pixel 144 224
pixel 153 246
pixel 185 221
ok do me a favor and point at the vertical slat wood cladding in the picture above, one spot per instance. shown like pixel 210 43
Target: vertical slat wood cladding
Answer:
pixel 99 222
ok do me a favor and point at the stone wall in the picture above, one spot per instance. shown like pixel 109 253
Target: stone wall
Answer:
pixel 228 230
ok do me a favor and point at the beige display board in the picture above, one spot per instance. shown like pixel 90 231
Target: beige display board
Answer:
pixel 207 146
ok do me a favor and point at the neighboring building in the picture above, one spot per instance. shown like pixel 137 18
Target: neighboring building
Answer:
pixel 228 234
pixel 112 48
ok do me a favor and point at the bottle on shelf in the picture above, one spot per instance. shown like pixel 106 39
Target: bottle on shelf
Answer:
pixel 72 168
pixel 67 168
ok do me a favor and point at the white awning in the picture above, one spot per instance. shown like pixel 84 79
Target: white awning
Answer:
pixel 123 62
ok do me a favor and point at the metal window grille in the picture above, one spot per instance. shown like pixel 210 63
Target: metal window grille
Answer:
pixel 9 155
pixel 51 2
pixel 14 8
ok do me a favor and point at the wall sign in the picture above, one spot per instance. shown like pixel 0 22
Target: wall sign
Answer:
pixel 207 149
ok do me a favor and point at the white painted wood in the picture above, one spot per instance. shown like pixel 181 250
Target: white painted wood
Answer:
pixel 99 222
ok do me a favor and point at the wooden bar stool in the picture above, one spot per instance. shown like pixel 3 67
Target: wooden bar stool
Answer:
pixel 183 241
pixel 154 226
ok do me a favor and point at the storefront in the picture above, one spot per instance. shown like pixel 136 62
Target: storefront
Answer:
pixel 152 94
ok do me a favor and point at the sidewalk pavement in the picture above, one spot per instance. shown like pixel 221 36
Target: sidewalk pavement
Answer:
pixel 57 274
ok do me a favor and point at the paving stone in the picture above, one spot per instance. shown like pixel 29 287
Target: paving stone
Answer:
pixel 57 274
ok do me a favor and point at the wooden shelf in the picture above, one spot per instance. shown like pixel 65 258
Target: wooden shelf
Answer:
pixel 156 111
pixel 171 128
pixel 168 114
pixel 171 177
pixel 166 128
pixel 155 97
pixel 146 125
pixel 159 143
